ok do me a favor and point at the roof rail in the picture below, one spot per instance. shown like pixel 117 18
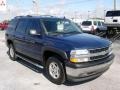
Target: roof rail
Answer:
pixel 29 15
pixel 41 15
pixel 47 16
pixel 18 16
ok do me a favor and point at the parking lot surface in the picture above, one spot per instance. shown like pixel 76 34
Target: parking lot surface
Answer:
pixel 15 75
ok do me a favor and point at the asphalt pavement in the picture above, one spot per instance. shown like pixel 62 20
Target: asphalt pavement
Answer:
pixel 19 75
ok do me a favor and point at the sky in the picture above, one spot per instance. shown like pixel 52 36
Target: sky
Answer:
pixel 69 4
pixel 59 7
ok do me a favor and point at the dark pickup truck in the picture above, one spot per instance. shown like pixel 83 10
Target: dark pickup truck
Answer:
pixel 59 46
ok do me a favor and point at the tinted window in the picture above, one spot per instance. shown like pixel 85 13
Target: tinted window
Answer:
pixel 50 25
pixel 60 26
pixel 113 13
pixel 99 23
pixel 103 24
pixel 34 25
pixel 95 22
pixel 22 26
pixel 12 24
pixel 87 23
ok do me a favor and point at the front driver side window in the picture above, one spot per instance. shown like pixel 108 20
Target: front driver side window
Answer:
pixel 34 25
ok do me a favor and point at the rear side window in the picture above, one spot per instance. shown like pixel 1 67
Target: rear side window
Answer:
pixel 113 13
pixel 103 24
pixel 21 27
pixel 86 23
pixel 99 23
pixel 95 22
pixel 12 24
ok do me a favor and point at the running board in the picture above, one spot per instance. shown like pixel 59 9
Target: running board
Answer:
pixel 33 63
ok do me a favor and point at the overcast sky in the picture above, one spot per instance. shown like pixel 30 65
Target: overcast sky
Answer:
pixel 61 7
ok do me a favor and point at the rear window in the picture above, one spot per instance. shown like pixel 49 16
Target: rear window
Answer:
pixel 113 13
pixel 86 23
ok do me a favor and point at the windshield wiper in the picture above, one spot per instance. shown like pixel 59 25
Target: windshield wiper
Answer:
pixel 60 33
pixel 55 33
pixel 72 32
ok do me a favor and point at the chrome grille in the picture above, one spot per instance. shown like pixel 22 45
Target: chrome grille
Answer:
pixel 99 50
pixel 98 54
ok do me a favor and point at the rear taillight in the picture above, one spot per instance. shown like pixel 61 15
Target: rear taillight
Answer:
pixel 93 30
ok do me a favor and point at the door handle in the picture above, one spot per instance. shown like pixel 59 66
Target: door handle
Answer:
pixel 19 38
pixel 30 41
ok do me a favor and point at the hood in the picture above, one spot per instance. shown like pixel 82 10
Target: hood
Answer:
pixel 82 41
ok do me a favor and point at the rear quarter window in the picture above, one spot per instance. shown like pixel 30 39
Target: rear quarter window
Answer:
pixel 12 24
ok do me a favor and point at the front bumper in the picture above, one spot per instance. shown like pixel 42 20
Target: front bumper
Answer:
pixel 89 71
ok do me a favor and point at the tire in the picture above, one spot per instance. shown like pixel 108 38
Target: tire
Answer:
pixel 11 52
pixel 97 31
pixel 55 70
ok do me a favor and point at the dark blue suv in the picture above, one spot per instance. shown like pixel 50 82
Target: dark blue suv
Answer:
pixel 59 46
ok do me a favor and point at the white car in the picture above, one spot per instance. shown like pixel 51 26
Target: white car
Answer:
pixel 112 19
pixel 93 26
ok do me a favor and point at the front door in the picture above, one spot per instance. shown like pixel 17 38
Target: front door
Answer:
pixel 34 43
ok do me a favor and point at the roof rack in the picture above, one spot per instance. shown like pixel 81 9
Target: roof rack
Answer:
pixel 41 15
pixel 18 16
pixel 47 16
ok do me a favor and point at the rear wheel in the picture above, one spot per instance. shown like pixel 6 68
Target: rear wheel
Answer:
pixel 55 70
pixel 11 52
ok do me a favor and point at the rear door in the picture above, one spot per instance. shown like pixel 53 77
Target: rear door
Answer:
pixel 34 43
pixel 19 35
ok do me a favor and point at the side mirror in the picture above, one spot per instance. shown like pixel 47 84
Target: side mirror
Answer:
pixel 33 32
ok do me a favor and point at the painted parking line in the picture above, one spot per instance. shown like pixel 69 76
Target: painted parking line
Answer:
pixel 101 34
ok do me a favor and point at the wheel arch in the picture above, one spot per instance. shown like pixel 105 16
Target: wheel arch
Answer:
pixel 9 42
pixel 48 52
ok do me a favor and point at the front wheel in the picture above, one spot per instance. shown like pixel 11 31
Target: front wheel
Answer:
pixel 55 70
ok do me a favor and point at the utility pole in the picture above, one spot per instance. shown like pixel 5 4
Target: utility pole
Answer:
pixel 88 14
pixel 104 14
pixel 114 4
pixel 36 6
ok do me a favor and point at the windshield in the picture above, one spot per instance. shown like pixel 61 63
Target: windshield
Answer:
pixel 113 13
pixel 60 26
pixel 86 23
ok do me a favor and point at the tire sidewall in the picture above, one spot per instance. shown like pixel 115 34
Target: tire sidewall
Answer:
pixel 61 79
pixel 14 56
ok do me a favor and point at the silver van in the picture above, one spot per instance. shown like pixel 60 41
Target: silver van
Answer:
pixel 93 26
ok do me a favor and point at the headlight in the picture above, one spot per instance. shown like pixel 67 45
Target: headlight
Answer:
pixel 79 52
pixel 78 56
